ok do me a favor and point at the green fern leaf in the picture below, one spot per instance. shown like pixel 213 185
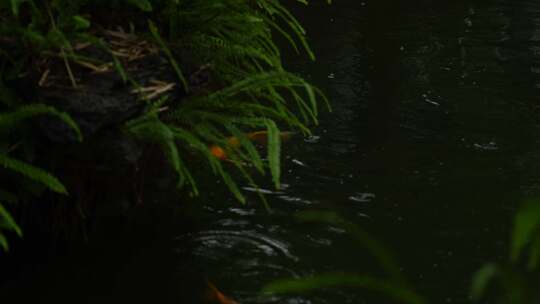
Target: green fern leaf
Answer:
pixel 33 173
pixel 12 119
pixel 245 143
pixel 15 4
pixel 527 223
pixel 252 183
pixel 3 242
pixel 155 33
pixel 274 150
pixel 152 129
pixel 7 222
pixel 233 187
pixel 400 293
pixel 481 280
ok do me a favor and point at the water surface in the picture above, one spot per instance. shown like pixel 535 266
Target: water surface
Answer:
pixel 432 143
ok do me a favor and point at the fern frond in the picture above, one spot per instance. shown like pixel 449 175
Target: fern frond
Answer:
pixel 3 242
pixel 7 222
pixel 253 184
pixel 155 33
pixel 247 145
pixel 230 183
pixel 274 8
pixel 12 119
pixel 151 129
pixel 235 38
pixel 274 151
pixel 241 52
pixel 36 174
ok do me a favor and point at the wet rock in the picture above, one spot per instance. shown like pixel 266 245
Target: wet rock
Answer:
pixel 106 102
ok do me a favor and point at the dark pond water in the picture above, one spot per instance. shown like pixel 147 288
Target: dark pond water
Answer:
pixel 433 141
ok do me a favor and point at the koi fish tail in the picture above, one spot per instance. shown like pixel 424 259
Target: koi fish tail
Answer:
pixel 214 296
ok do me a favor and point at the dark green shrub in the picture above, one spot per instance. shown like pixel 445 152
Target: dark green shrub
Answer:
pixel 229 41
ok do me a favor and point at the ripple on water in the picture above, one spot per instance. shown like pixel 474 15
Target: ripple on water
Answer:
pixel 214 244
pixel 262 191
pixel 253 258
pixel 362 197
pixel 294 199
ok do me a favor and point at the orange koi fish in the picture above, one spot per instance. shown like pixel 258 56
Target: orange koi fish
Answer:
pixel 214 296
pixel 260 137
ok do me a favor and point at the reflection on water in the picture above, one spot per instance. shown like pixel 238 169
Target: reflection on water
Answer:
pixel 431 143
